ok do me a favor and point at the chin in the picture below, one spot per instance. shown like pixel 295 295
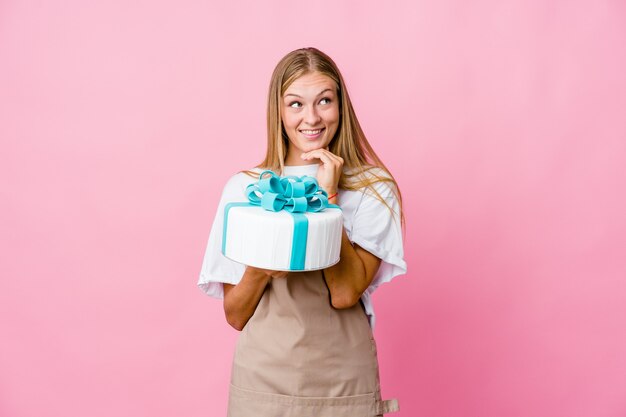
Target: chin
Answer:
pixel 311 146
pixel 308 146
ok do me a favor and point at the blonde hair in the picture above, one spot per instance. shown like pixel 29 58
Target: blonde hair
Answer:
pixel 349 142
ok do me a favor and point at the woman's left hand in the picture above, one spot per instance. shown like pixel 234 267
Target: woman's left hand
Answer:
pixel 330 169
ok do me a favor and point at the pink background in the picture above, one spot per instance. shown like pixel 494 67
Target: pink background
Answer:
pixel 504 122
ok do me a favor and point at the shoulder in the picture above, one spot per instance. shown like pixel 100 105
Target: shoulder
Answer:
pixel 372 180
pixel 237 183
pixel 368 171
pixel 245 176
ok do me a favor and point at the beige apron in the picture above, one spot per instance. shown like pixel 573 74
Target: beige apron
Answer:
pixel 299 357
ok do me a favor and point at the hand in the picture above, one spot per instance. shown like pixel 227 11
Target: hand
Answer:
pixel 329 171
pixel 268 272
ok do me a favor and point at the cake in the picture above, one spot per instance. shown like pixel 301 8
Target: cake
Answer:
pixel 286 225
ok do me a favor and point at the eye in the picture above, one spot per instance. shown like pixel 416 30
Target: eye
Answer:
pixel 325 100
pixel 295 104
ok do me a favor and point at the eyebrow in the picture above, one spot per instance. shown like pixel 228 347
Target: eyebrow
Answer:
pixel 290 94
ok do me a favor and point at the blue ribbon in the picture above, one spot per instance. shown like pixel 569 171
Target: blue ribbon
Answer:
pixel 296 195
pixel 293 194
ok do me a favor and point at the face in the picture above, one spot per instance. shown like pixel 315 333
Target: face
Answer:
pixel 310 114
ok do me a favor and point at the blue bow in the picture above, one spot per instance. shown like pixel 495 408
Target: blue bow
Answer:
pixel 293 194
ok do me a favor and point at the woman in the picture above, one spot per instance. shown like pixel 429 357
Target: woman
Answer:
pixel 306 347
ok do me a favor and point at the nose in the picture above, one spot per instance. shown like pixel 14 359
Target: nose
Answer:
pixel 312 116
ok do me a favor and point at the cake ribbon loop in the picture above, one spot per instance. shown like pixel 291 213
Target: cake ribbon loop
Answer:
pixel 291 193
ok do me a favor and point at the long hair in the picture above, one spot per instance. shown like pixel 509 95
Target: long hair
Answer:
pixel 349 141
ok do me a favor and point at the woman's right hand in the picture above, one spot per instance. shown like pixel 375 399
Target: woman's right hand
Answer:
pixel 240 300
pixel 270 273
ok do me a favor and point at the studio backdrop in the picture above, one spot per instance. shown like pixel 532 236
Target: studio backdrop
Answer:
pixel 503 122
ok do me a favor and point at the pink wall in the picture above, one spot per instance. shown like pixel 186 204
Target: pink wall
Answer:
pixel 503 122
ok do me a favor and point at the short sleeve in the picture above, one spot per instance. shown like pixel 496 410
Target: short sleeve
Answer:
pixel 378 230
pixel 216 268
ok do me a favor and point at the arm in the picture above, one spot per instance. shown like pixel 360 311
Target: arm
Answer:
pixel 350 277
pixel 240 300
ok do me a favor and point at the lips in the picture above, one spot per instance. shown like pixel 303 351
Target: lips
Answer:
pixel 312 133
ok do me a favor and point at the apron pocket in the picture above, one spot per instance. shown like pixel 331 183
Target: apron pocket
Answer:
pixel 248 403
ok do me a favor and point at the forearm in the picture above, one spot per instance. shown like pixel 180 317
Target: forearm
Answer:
pixel 347 279
pixel 241 300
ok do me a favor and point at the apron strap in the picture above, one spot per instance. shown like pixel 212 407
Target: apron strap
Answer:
pixel 387 406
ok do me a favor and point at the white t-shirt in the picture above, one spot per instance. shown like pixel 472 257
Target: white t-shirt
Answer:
pixel 368 223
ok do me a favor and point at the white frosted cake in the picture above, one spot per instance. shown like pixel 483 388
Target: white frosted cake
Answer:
pixel 281 240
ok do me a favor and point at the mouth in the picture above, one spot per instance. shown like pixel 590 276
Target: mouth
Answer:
pixel 312 133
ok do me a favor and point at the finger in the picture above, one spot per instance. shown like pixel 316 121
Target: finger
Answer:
pixel 310 155
pixel 327 160
pixel 316 152
pixel 324 155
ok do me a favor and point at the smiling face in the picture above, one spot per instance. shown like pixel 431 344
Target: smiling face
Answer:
pixel 310 115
